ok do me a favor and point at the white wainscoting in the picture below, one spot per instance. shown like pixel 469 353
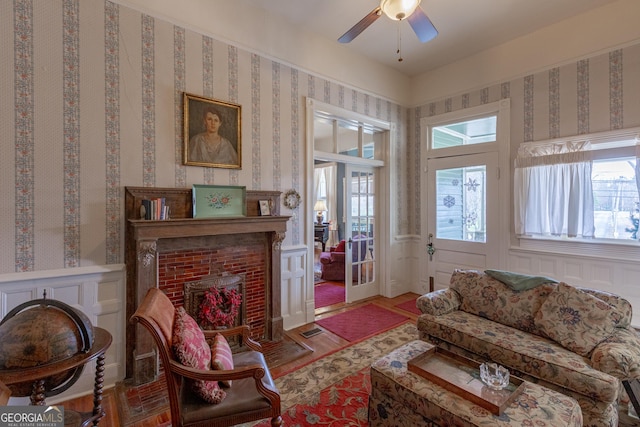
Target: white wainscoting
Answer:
pixel 296 306
pixel 403 268
pixel 618 276
pixel 97 291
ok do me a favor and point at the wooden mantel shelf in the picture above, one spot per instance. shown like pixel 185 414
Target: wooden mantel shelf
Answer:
pixel 190 227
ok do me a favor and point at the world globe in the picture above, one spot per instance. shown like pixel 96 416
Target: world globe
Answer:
pixel 41 333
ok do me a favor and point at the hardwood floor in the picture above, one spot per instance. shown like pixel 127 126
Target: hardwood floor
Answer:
pixel 322 344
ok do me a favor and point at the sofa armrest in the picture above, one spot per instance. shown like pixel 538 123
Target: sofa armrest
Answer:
pixel 439 302
pixel 619 355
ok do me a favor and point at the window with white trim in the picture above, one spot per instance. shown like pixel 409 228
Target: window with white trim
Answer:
pixel 580 189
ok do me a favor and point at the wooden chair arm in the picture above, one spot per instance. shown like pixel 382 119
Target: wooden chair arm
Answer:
pixel 255 371
pixel 243 330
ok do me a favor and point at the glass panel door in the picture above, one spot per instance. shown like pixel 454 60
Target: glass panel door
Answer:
pixel 462 217
pixel 361 270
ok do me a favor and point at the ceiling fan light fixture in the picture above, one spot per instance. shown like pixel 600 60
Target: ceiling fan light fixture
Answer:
pixel 399 9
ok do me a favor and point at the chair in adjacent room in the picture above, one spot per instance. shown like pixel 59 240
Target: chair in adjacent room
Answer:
pixel 332 263
pixel 252 394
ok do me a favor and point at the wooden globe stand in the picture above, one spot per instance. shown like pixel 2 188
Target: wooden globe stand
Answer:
pixel 39 374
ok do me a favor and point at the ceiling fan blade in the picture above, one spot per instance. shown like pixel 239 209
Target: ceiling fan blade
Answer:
pixel 422 25
pixel 360 26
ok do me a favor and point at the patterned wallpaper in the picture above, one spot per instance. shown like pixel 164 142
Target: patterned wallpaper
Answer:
pixel 92 97
pixel 591 95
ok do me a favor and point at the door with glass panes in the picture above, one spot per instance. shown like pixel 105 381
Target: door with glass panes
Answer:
pixel 360 265
pixel 463 196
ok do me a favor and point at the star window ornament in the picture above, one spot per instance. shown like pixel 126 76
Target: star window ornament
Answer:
pixel 472 185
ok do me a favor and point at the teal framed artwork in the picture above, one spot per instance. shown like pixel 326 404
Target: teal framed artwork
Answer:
pixel 211 201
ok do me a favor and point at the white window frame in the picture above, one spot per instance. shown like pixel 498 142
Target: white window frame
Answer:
pixel 604 145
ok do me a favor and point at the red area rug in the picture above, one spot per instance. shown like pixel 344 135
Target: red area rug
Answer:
pixel 409 306
pixel 362 322
pixel 327 294
pixel 343 404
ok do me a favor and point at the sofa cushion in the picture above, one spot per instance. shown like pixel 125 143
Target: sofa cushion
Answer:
pixel 191 349
pixel 534 355
pixel 517 281
pixel 623 313
pixel 221 356
pixel 575 319
pixel 485 296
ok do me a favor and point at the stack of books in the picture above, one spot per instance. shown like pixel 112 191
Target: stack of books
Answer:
pixel 154 209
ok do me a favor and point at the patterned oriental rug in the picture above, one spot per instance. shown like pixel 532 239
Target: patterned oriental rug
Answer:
pixel 334 390
pixel 330 391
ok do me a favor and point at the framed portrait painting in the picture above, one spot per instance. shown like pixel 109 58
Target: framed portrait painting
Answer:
pixel 211 133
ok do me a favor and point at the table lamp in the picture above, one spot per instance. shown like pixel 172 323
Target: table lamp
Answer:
pixel 320 207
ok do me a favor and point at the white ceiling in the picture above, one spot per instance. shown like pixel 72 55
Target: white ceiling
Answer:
pixel 465 26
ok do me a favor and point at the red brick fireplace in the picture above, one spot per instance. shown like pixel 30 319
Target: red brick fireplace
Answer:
pixel 167 254
pixel 243 255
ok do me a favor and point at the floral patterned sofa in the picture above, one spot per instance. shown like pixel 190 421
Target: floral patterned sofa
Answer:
pixel 574 340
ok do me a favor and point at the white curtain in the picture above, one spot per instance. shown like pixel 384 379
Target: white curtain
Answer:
pixel 330 176
pixel 553 194
pixel 638 168
pixel 327 175
pixel 318 192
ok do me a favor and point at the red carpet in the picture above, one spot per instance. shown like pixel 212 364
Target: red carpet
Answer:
pixel 409 306
pixel 362 322
pixel 328 294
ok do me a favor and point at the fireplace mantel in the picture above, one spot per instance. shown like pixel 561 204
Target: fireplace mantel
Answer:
pixel 146 239
pixel 186 227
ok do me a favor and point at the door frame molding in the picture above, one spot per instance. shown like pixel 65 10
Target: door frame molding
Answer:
pixel 502 109
pixel 383 186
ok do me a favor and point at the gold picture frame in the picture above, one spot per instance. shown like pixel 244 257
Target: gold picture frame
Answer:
pixel 212 132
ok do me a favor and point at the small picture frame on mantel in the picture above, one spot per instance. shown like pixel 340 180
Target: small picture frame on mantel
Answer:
pixel 265 207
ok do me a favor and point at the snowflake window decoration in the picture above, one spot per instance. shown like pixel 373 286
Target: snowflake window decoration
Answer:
pixel 449 201
pixel 470 219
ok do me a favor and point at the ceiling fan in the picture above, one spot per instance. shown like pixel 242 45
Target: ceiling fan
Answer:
pixel 398 10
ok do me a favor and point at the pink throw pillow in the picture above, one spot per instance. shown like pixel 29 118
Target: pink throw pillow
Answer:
pixel 221 357
pixel 191 349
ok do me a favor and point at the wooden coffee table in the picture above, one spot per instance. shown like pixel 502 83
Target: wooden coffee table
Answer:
pixel 402 398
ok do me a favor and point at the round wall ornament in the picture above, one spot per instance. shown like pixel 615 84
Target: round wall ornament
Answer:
pixel 291 199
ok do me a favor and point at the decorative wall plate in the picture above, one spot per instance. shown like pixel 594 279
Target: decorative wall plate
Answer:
pixel 291 199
